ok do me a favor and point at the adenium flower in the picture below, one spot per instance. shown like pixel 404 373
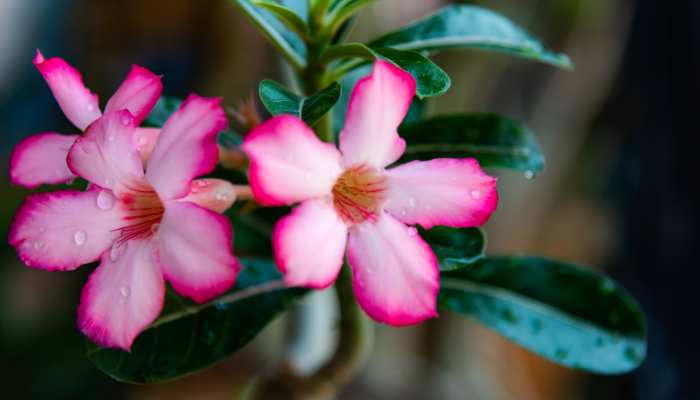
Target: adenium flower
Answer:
pixel 351 200
pixel 41 158
pixel 145 225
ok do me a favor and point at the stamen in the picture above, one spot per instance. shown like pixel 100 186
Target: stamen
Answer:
pixel 358 193
pixel 144 211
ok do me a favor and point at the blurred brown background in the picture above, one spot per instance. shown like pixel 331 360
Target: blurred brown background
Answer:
pixel 617 192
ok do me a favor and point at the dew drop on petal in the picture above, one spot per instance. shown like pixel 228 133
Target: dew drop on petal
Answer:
pixel 124 291
pixel 222 196
pixel 79 238
pixel 109 182
pixel 38 245
pixel 529 174
pixel 476 195
pixel 202 183
pixel 90 107
pixel 105 200
pixel 411 202
pixel 142 141
pixel 126 120
pixel 403 212
pixel 114 253
pixel 110 138
pixel 411 231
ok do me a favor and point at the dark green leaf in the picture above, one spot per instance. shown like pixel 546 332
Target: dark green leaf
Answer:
pixel 494 140
pixel 456 248
pixel 343 10
pixel 286 15
pixel 291 46
pixel 569 315
pixel 188 337
pixel 431 80
pixel 279 100
pixel 470 27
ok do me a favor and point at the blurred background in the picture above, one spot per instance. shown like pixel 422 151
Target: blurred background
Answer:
pixel 618 192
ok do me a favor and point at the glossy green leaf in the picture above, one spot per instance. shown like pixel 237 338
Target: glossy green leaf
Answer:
pixel 341 11
pixel 470 27
pixel 300 7
pixel 495 141
pixel 431 80
pixel 286 15
pixel 189 337
pixel 456 248
pixel 288 43
pixel 279 100
pixel 569 315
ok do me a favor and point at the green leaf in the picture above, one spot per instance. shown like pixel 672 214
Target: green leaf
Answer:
pixel 279 100
pixel 470 27
pixel 289 44
pixel 286 15
pixel 431 80
pixel 569 315
pixel 300 7
pixel 189 337
pixel 456 248
pixel 341 11
pixel 495 141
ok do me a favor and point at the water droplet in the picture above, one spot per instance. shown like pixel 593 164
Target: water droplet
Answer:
pixel 142 141
pixel 509 315
pixel 411 202
pixel 525 151
pixel 220 306
pixel 404 212
pixel 222 196
pixel 476 195
pixel 606 286
pixel 90 107
pixel 126 120
pixel 536 326
pixel 110 138
pixel 79 238
pixel 529 174
pixel 599 342
pixel 202 183
pixel 38 245
pixel 124 291
pixel 105 200
pixel 411 231
pixel 631 354
pixel 195 190
pixel 115 252
pixel 109 182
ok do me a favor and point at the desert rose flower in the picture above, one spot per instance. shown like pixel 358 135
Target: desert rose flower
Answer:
pixel 41 158
pixel 145 225
pixel 351 200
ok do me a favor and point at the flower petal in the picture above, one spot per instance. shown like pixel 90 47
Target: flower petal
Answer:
pixel 63 230
pixel 195 251
pixel 449 192
pixel 40 159
pixel 288 163
pixel 107 155
pixel 217 195
pixel 138 93
pixel 377 106
pixel 145 139
pixel 186 147
pixel 395 273
pixel 79 105
pixel 123 296
pixel 309 245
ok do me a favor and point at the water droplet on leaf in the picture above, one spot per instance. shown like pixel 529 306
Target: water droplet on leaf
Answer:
pixel 529 174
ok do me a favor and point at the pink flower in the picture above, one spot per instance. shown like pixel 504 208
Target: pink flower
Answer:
pixel 349 199
pixel 41 158
pixel 145 225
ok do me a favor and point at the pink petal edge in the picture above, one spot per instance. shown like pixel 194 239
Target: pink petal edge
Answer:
pixel 41 159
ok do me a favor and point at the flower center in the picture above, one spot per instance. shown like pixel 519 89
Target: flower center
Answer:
pixel 144 211
pixel 358 194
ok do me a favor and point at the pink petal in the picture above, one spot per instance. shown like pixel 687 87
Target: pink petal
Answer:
pixel 217 195
pixel 138 93
pixel 395 273
pixel 195 251
pixel 377 106
pixel 79 105
pixel 145 139
pixel 107 155
pixel 123 296
pixel 288 163
pixel 41 159
pixel 63 230
pixel 186 147
pixel 450 192
pixel 309 245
